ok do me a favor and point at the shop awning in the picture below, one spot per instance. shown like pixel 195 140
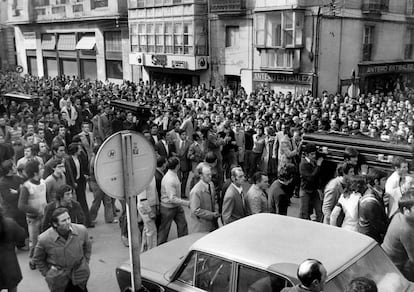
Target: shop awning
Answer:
pixel 66 42
pixel 86 43
pixel 48 42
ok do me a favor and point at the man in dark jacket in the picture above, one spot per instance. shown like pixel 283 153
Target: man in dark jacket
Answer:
pixel 281 190
pixel 372 219
pixel 309 168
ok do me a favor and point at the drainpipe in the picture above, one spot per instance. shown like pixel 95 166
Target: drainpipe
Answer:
pixel 317 48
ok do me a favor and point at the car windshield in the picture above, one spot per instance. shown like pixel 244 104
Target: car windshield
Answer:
pixel 376 266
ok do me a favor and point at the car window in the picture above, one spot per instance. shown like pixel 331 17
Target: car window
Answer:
pixel 254 280
pixel 187 271
pixel 211 273
pixel 376 266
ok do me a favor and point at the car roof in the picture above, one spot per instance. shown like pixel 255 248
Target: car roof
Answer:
pixel 280 243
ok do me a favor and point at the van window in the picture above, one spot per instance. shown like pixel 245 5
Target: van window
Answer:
pixel 254 280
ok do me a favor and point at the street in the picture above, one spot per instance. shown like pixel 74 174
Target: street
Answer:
pixel 107 253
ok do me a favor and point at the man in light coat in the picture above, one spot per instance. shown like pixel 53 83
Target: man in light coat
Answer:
pixel 203 214
pixel 234 205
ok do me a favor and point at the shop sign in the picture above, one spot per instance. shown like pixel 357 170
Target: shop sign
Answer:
pixel 179 64
pixel 386 68
pixel 225 5
pixel 282 78
pixel 159 60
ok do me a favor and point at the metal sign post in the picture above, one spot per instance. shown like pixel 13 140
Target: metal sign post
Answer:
pixel 134 236
pixel 124 167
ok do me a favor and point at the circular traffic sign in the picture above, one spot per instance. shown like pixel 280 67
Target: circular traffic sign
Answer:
pixel 109 169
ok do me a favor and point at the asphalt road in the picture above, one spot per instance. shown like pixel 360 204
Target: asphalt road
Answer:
pixel 107 253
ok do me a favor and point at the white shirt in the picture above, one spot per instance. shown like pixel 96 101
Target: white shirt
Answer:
pixel 393 188
pixel 77 165
pixel 350 208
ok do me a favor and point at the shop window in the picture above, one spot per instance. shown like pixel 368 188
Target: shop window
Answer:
pixel 408 49
pixel 113 41
pixel 99 4
pixel 32 62
pixel 279 29
pixel 50 67
pixel 232 36
pixel 69 67
pixel 367 44
pixel 250 279
pixel 88 69
pixel 114 69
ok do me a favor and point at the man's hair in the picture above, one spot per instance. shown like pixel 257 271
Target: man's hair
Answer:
pixel 73 148
pixel 375 174
pixel 309 271
pixel 160 161
pixel 61 191
pixel 55 146
pixel 31 168
pixel 172 162
pixel 56 213
pixel 235 170
pixel 258 176
pixel 350 152
pixel 56 162
pixel 362 284
pixel 211 157
pixel 344 168
pixel 397 161
pixel 406 200
pixel 286 172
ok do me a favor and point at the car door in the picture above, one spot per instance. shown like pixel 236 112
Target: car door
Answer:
pixel 203 272
pixel 250 279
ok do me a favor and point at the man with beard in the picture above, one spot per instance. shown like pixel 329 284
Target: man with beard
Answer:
pixel 62 254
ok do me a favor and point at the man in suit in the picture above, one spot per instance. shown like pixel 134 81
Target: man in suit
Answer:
pixel 70 115
pixel 182 147
pixel 104 124
pixel 240 142
pixel 159 173
pixel 163 147
pixel 76 166
pixel 233 203
pixel 153 134
pixel 195 152
pixel 203 214
pixel 86 139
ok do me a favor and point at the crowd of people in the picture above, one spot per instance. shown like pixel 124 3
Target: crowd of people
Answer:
pixel 224 154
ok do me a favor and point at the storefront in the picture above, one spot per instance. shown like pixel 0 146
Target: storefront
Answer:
pixel 386 77
pixel 279 82
pixel 187 70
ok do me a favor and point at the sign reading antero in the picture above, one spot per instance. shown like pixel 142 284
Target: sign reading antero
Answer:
pixel 366 69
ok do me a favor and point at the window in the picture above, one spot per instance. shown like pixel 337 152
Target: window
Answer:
pixel 114 69
pixel 69 67
pixel 61 2
pixel 159 38
pixel 133 28
pixel 77 8
pixel 113 41
pixel 58 9
pixel 142 37
pixel 250 279
pixel 201 38
pixel 279 29
pixel 178 38
pixel 410 7
pixel 88 69
pixel 99 3
pixel 367 42
pixel 232 36
pixel 188 38
pixel 168 31
pixel 40 3
pixel 277 58
pixel 150 38
pixel 32 64
pixel 50 65
pixel 408 50
pixel 211 273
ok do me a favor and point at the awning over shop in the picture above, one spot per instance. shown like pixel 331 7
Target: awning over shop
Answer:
pixel 48 42
pixel 66 42
pixel 86 43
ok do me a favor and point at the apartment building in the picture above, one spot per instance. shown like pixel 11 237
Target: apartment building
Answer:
pixel 86 38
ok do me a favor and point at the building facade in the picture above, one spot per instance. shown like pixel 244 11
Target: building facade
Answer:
pixel 7 47
pixel 85 38
pixel 169 40
pixel 302 45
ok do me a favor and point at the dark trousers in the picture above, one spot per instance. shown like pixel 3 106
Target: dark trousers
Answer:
pixel 100 197
pixel 72 288
pixel 253 163
pixel 168 215
pixel 184 178
pixel 81 198
pixel 310 201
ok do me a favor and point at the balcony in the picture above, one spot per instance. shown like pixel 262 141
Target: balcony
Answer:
pixel 65 10
pixel 228 7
